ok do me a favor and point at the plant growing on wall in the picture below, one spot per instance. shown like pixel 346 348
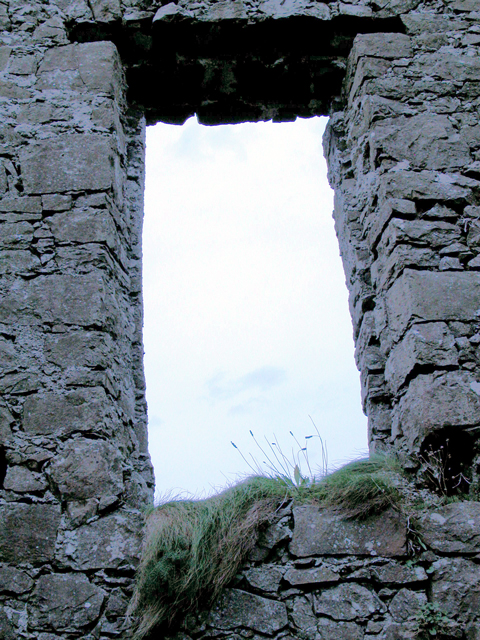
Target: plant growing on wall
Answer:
pixel 193 548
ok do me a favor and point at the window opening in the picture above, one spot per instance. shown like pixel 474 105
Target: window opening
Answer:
pixel 246 313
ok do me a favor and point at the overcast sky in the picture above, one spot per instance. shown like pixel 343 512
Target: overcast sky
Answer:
pixel 246 313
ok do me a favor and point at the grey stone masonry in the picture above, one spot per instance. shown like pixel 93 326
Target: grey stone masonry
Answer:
pixel 376 584
pixel 79 79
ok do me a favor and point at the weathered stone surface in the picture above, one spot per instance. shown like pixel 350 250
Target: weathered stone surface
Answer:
pixel 300 611
pixel 28 532
pixel 267 577
pixel 431 343
pixel 77 300
pixel 66 602
pixel 22 480
pixel 82 226
pixel 6 628
pixel 111 542
pixel 274 534
pixel 241 609
pixel 13 580
pixel 324 532
pixel 411 185
pixel 81 348
pixel 338 630
pixel 90 66
pixel 404 160
pixel 6 421
pixel 406 605
pixel 318 575
pixel 427 141
pixel 456 588
pixel 394 573
pixel 422 296
pixel 453 528
pixel 87 469
pixel 348 602
pixel 78 411
pixel 68 163
pixel 435 401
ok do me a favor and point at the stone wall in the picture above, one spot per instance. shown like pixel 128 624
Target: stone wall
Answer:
pixel 316 576
pixel 78 81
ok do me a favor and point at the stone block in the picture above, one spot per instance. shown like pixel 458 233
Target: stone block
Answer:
pixel 15 204
pixel 426 296
pixel 267 577
pixel 289 8
pixel 236 609
pixel 112 542
pixel 433 402
pixel 406 605
pixel 455 588
pixel 22 480
pixel 317 575
pixel 7 631
pixel 28 532
pixel 423 185
pixel 388 267
pixel 446 65
pixel 392 573
pixel 426 141
pixel 348 602
pixel 324 532
pixel 106 10
pixel 89 66
pixel 65 602
pixel 55 202
pixel 68 163
pixel 80 349
pixel 86 469
pixel 338 630
pixel 431 233
pixel 301 613
pixel 431 343
pixel 453 528
pixel 53 414
pixel 20 262
pixel 13 580
pixel 16 234
pixel 6 422
pixel 84 225
pixel 59 299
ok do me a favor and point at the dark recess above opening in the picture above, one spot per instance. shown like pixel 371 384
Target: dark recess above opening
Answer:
pixel 235 71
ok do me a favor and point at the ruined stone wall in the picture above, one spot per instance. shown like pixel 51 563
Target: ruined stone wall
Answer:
pixel 314 575
pixel 78 81
pixel 404 158
pixel 75 465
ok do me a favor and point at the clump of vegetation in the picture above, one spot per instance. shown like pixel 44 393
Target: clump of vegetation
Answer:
pixel 432 623
pixel 194 548
pixel 362 488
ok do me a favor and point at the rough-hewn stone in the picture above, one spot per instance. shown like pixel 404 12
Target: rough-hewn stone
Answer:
pixel 325 532
pixel 28 532
pixel 87 469
pixel 239 608
pixel 78 81
pixel 65 602
pixel 348 602
pixel 453 528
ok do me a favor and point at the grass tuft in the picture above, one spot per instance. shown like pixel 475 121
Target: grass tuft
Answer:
pixel 193 548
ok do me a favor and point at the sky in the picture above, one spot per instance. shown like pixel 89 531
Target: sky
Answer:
pixel 246 312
